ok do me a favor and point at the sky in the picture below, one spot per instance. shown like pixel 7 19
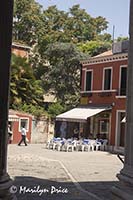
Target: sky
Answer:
pixel 116 12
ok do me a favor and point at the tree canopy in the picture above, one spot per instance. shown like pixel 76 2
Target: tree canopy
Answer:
pixel 24 88
pixel 63 75
pixel 27 21
pixel 32 23
pixel 59 40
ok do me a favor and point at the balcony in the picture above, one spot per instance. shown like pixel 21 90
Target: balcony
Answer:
pixel 86 94
pixel 105 94
pixel 101 93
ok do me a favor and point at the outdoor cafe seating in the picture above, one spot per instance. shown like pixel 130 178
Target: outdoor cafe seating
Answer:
pixel 73 144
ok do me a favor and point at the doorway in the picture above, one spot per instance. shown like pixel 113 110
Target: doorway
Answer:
pixel 120 134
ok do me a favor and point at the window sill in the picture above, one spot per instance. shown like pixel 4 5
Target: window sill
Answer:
pixel 120 97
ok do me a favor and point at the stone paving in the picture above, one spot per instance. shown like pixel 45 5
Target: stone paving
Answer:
pixel 42 174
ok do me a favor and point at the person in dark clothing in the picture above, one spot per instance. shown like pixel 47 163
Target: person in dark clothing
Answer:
pixel 76 133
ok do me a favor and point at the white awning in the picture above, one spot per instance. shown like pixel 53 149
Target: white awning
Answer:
pixel 12 118
pixel 80 114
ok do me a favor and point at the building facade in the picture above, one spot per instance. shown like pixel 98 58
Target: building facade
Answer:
pixel 104 83
pixel 101 113
pixel 17 120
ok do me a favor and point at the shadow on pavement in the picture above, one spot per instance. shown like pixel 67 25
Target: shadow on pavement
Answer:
pixel 33 188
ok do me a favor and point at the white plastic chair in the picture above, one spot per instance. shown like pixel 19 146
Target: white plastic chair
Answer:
pixel 56 143
pixel 103 146
pixel 68 145
pixel 78 145
pixel 50 144
pixel 92 144
pixel 85 145
pixel 97 145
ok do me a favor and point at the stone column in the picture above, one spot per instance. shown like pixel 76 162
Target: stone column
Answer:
pixel 6 16
pixel 125 188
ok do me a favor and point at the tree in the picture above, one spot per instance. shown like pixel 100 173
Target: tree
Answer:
pixel 55 109
pixel 55 60
pixel 27 21
pixel 63 77
pixel 93 48
pixel 74 26
pixel 82 26
pixel 24 88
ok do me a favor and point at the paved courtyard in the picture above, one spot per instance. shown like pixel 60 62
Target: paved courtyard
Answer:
pixel 42 174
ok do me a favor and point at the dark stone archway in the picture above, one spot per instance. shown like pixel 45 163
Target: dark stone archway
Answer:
pixel 6 18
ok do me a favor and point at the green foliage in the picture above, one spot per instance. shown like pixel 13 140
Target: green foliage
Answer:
pixel 83 26
pixel 74 26
pixel 55 60
pixel 27 21
pixel 93 48
pixel 36 111
pixel 119 39
pixel 32 23
pixel 106 37
pixel 24 88
pixel 55 109
pixel 63 76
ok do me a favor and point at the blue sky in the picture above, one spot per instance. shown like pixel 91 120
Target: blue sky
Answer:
pixel 115 11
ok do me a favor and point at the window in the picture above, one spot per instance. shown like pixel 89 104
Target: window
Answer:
pixel 123 81
pixel 24 122
pixel 107 78
pixel 88 81
pixel 104 126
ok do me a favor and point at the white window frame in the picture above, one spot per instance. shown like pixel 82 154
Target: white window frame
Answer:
pixel 88 70
pixel 26 118
pixel 83 81
pixel 105 68
pixel 122 66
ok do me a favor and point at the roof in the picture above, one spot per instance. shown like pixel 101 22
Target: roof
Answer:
pixel 106 53
pixel 22 46
pixel 16 112
pixel 13 117
pixel 105 59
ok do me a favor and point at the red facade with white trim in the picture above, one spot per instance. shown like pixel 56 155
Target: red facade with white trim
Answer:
pixel 16 119
pixel 107 88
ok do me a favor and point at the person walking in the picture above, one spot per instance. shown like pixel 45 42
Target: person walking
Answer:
pixel 23 135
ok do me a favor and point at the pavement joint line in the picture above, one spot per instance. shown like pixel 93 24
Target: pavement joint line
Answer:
pixel 77 184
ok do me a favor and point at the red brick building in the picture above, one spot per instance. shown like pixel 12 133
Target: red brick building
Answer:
pixel 103 97
pixel 17 120
pixel 104 83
